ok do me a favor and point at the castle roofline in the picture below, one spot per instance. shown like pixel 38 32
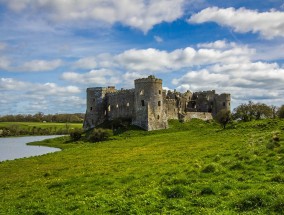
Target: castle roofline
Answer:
pixel 150 78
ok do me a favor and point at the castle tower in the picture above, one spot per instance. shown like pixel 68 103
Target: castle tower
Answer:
pixel 150 113
pixel 222 101
pixel 96 110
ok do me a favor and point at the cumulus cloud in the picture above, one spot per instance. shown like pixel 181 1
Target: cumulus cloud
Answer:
pixel 140 14
pixel 26 97
pixel 162 61
pixel 99 77
pixel 252 80
pixel 40 65
pixel 269 24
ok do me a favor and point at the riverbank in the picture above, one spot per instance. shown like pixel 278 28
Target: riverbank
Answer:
pixel 191 168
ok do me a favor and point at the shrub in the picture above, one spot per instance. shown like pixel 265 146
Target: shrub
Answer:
pixel 99 135
pixel 76 134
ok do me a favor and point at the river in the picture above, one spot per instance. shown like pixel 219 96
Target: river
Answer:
pixel 16 147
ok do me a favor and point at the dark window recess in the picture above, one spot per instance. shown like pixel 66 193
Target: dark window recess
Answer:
pixel 160 92
pixel 158 117
pixel 159 103
pixel 224 104
pixel 91 108
pixel 142 102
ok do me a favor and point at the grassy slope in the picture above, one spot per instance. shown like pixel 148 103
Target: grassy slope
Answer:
pixel 190 168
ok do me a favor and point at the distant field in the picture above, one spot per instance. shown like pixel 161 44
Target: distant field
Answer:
pixel 36 128
pixel 191 168
pixel 40 124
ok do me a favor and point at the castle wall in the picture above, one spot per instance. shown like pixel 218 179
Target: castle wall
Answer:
pixel 149 106
pixel 197 115
pixel 120 104
pixel 171 109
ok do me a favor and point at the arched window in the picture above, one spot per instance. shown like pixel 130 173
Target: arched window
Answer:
pixel 158 117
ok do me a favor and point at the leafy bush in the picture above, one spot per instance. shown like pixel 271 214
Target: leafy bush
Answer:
pixel 207 191
pixel 76 134
pixel 99 135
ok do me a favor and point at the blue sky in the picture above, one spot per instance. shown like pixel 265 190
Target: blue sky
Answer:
pixel 52 50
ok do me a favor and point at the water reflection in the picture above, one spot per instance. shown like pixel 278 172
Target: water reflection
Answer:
pixel 15 147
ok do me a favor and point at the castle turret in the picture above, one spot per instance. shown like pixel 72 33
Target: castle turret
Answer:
pixel 222 101
pixel 96 107
pixel 150 113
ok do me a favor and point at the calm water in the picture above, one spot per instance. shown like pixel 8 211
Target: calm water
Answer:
pixel 15 147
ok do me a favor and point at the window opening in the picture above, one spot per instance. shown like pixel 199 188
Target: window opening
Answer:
pixel 160 92
pixel 159 103
pixel 141 92
pixel 91 108
pixel 127 104
pixel 142 102
pixel 224 104
pixel 158 117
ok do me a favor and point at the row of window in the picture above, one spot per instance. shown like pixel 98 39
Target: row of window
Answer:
pixel 142 92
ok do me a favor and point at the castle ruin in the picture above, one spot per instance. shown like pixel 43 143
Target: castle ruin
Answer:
pixel 149 106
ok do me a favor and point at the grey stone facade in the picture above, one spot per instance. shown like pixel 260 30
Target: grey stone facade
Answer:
pixel 149 106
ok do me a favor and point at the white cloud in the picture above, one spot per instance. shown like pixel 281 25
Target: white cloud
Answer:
pixel 140 14
pixel 26 97
pixel 39 65
pixel 158 39
pixel 269 24
pixel 252 80
pixel 86 63
pixel 153 60
pixel 101 77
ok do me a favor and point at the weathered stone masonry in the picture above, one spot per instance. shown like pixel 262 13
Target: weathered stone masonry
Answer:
pixel 149 106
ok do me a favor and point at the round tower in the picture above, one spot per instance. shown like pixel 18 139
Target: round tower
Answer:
pixel 149 107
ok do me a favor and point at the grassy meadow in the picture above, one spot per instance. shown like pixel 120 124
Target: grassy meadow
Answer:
pixel 190 168
pixel 37 128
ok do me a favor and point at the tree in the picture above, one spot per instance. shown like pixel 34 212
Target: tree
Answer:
pixel 280 112
pixel 223 117
pixel 250 111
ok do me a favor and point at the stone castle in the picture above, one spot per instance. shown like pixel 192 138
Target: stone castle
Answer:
pixel 149 106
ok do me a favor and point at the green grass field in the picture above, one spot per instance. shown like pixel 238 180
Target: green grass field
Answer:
pixel 38 128
pixel 191 168
pixel 40 124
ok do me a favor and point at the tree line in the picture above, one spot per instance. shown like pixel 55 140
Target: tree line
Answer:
pixel 250 111
pixel 41 117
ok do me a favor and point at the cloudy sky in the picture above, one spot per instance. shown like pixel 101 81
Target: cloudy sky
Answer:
pixel 52 50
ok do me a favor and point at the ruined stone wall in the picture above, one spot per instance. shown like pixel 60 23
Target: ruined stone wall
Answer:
pixel 171 109
pixel 95 107
pixel 120 104
pixel 197 115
